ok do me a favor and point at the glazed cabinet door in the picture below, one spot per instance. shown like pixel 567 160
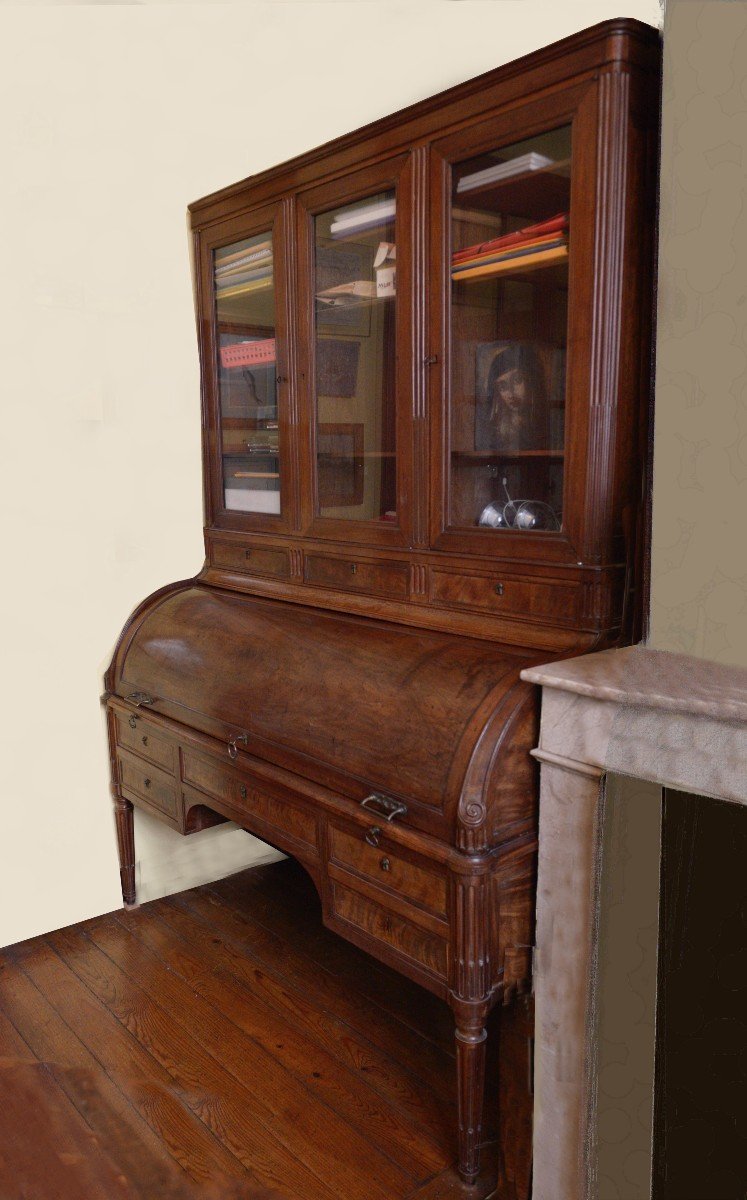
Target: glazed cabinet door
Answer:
pixel 355 297
pixel 247 397
pixel 513 211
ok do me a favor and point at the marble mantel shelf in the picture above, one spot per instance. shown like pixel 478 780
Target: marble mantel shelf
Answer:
pixel 666 718
pixel 652 679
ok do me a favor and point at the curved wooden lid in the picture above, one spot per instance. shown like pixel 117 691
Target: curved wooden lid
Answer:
pixel 383 706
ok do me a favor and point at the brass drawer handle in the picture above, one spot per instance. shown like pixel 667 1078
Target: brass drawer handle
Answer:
pixel 139 698
pixel 372 836
pixel 384 806
pixel 233 738
pixel 385 864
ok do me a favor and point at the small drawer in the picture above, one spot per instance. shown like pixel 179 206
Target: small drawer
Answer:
pixel 227 786
pixel 256 560
pixel 493 593
pixel 376 578
pixel 388 870
pixel 396 931
pixel 149 785
pixel 135 733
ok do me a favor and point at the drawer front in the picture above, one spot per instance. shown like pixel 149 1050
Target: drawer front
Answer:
pixel 378 579
pixel 221 783
pixel 136 734
pixel 497 595
pixel 386 869
pixel 148 784
pixel 256 560
pixel 402 935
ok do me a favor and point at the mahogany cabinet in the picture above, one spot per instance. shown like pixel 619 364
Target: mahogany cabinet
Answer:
pixel 425 388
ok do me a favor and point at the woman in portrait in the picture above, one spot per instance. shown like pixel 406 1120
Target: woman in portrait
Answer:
pixel 514 399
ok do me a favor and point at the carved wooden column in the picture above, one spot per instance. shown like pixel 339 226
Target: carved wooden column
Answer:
pixel 124 820
pixel 470 1002
pixel 123 815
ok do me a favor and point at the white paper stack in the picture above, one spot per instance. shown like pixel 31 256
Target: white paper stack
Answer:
pixel 253 500
pixel 504 170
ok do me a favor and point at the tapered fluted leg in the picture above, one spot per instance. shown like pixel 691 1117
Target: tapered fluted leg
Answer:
pixel 123 815
pixel 471 1045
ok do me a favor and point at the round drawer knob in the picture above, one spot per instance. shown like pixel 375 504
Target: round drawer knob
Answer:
pixel 146 782
pixel 385 864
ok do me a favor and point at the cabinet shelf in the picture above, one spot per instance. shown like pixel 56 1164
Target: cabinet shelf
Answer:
pixel 255 475
pixel 334 454
pixel 481 456
pixel 535 194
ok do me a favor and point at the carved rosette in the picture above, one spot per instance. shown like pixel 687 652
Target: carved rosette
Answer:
pixel 471 831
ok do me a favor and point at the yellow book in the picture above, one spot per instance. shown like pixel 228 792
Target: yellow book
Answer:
pixel 526 262
pixel 254 285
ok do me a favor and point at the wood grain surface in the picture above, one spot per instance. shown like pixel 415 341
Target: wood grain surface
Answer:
pixel 221 1043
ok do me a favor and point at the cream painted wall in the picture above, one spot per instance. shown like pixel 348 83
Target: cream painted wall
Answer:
pixel 112 118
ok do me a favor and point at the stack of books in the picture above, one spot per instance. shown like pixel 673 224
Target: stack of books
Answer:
pixel 243 271
pixel 527 249
pixel 356 220
pixel 504 170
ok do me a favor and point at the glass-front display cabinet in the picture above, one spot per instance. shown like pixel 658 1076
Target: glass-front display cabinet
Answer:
pixel 244 281
pixel 355 424
pixel 427 354
pixel 510 233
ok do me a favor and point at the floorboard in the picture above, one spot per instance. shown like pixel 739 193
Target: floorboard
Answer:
pixel 222 1044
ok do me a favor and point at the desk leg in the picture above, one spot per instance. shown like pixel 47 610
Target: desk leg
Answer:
pixel 123 815
pixel 471 1046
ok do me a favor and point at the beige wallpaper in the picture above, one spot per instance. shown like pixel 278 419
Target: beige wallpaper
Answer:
pixel 699 559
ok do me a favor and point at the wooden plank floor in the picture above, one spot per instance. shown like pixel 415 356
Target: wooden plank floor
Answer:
pixel 222 1044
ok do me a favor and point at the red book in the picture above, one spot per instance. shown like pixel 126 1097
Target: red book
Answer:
pixel 248 354
pixel 552 225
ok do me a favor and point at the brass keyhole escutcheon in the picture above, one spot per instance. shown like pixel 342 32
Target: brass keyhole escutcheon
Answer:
pixel 498 589
pixel 354 568
pixel 146 782
pixel 242 792
pixel 145 740
pixel 132 722
pixel 385 864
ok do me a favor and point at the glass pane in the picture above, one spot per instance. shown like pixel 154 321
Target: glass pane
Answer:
pixel 245 318
pixel 355 288
pixel 509 310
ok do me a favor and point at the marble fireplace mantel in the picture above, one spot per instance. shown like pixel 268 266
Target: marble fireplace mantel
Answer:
pixel 666 718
